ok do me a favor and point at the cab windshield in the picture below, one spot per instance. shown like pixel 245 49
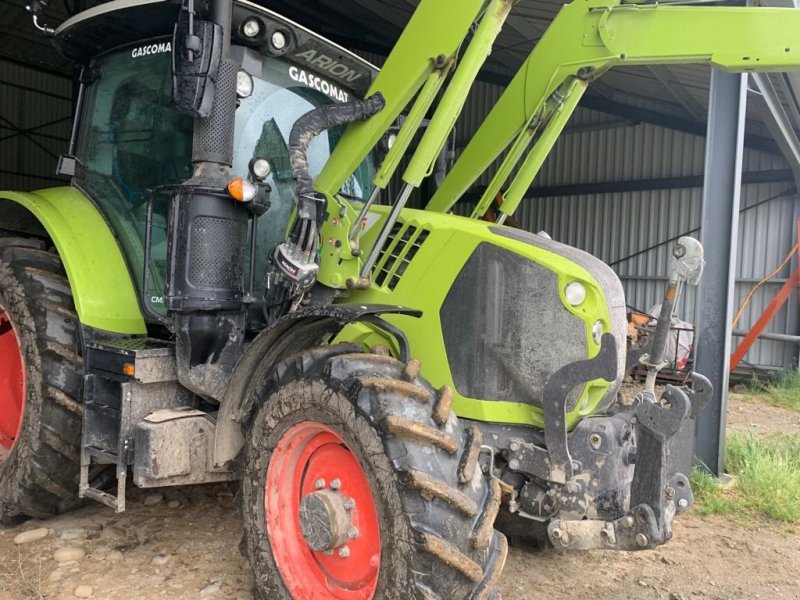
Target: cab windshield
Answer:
pixel 133 141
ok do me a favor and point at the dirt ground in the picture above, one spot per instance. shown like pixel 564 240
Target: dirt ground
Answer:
pixel 182 544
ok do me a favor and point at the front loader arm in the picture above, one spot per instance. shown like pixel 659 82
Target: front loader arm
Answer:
pixel 587 38
pixel 426 47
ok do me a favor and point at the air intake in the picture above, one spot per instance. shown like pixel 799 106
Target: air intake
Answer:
pixel 403 244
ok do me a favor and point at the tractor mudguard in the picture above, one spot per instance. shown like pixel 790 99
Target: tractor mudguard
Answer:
pixel 105 297
pixel 292 333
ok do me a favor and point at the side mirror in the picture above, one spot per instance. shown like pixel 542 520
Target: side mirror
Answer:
pixel 196 54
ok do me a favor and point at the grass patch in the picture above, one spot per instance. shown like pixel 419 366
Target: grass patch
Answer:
pixel 710 497
pixel 766 480
pixel 21 584
pixel 783 391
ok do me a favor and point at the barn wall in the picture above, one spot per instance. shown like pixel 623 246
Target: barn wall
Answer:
pixel 35 111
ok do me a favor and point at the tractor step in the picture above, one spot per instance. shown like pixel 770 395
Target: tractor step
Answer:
pixel 126 380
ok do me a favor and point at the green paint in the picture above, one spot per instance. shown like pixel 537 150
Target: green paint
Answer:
pixel 424 285
pixel 455 96
pixel 411 124
pixel 596 35
pixel 103 292
pixel 406 70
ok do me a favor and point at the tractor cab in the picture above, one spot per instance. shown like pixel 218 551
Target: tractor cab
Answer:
pixel 132 144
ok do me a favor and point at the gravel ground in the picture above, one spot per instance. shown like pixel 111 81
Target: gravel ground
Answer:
pixel 182 544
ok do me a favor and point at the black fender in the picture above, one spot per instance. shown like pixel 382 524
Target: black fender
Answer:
pixel 297 331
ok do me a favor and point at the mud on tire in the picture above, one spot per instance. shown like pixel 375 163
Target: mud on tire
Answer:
pixel 39 475
pixel 435 507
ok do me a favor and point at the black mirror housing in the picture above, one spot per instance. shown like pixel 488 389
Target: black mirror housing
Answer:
pixel 196 56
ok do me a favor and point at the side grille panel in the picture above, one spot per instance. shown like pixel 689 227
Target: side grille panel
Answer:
pixel 403 244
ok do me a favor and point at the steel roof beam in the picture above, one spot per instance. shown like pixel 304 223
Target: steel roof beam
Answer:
pixel 778 122
pixel 677 90
pixel 648 185
pixel 643 115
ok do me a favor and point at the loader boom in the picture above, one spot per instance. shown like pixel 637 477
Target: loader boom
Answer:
pixel 585 40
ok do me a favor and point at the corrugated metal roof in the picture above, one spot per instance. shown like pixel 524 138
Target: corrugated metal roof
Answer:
pixel 373 25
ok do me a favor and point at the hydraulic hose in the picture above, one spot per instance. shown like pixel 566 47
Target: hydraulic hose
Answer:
pixel 314 122
pixel 310 207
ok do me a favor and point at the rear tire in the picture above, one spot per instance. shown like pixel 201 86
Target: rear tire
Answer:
pixel 39 470
pixel 434 507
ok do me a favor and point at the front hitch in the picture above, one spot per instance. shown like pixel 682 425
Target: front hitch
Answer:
pixel 659 490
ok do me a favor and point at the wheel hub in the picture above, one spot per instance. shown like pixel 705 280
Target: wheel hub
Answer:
pixel 321 516
pixel 325 520
pixel 12 385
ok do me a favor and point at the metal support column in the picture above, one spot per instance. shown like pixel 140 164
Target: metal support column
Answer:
pixel 720 223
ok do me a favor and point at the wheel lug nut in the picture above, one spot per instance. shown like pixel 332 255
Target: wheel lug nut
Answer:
pixel 319 484
pixel 344 552
pixel 336 484
pixel 352 533
pixel 349 504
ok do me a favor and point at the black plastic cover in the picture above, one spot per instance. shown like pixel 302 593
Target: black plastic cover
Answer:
pixel 505 329
pixel 194 71
pixel 207 246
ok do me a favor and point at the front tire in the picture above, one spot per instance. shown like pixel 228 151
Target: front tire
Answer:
pixel 366 437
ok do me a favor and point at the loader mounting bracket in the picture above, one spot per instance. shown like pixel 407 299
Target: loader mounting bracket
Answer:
pixel 658 491
pixel 556 392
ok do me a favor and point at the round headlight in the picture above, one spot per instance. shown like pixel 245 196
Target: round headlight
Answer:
pixel 575 293
pixel 278 40
pixel 244 84
pixel 597 332
pixel 259 168
pixel 251 27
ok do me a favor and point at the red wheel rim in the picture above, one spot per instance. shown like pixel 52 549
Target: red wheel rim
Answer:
pixel 12 385
pixel 308 454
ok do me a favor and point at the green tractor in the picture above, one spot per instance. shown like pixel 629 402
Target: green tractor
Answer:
pixel 227 291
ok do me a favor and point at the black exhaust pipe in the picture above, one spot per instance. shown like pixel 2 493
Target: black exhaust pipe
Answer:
pixel 205 290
